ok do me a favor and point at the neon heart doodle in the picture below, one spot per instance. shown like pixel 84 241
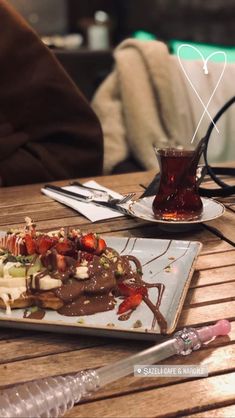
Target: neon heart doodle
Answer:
pixel 206 72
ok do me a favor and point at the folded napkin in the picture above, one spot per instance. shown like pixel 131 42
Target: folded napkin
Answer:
pixel 91 211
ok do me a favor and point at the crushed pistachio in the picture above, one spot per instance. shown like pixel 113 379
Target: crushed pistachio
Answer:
pixel 74 233
pixel 137 324
pixel 110 324
pixel 171 258
pixel 120 269
pixel 119 272
pixel 111 255
pixel 104 262
pixel 106 266
pixel 108 254
pixel 33 309
pixel 19 259
pixel 81 321
pixel 9 258
pixel 168 269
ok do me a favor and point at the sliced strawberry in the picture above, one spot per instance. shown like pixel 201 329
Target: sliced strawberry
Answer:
pixel 141 290
pixel 101 246
pixel 61 263
pixel 89 242
pixel 45 243
pixel 65 247
pixel 33 230
pixel 30 244
pixel 49 260
pixel 11 246
pixel 22 250
pixel 126 290
pixel 130 303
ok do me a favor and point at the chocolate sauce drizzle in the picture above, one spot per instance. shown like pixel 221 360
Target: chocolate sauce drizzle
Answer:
pixel 157 316
pixel 170 263
pixel 97 292
pixel 38 314
pixel 159 255
pixel 126 245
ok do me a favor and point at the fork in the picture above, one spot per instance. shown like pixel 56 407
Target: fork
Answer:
pixel 100 192
pixel 97 193
pixel 90 199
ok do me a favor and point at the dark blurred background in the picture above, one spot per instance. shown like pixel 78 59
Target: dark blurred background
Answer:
pixel 198 20
pixel 87 54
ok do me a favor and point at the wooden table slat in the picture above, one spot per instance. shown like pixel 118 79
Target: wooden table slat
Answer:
pixel 172 401
pixel 224 412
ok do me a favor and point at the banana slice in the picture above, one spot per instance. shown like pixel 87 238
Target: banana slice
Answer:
pixel 46 282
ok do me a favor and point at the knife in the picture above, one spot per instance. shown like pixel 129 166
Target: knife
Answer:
pixel 76 196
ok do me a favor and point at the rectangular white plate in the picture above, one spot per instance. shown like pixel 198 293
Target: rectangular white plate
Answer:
pixel 164 261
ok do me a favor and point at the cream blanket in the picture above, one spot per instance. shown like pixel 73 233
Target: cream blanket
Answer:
pixel 147 101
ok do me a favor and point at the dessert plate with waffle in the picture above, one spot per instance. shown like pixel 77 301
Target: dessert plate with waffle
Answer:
pixel 71 281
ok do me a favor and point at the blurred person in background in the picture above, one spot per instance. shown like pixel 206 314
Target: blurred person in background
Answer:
pixel 48 131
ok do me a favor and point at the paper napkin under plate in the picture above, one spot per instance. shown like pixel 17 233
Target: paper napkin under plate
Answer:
pixel 92 212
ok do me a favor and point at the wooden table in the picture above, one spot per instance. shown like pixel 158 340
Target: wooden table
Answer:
pixel 27 355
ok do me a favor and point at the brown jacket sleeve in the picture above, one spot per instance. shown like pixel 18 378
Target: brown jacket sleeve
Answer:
pixel 48 131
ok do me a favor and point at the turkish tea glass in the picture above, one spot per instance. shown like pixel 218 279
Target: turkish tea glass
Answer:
pixel 177 198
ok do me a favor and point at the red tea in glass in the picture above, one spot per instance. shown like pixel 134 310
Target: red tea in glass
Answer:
pixel 177 197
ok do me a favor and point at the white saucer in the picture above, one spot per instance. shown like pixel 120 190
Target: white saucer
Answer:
pixel 142 209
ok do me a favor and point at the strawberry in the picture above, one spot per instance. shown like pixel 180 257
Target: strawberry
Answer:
pixel 101 246
pixel 142 290
pixel 130 303
pixel 11 245
pixel 126 290
pixel 22 249
pixel 49 260
pixel 89 242
pixel 30 244
pixel 44 243
pixel 65 247
pixel 61 263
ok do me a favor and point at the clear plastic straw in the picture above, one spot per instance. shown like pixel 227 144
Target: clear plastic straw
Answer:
pixel 53 396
